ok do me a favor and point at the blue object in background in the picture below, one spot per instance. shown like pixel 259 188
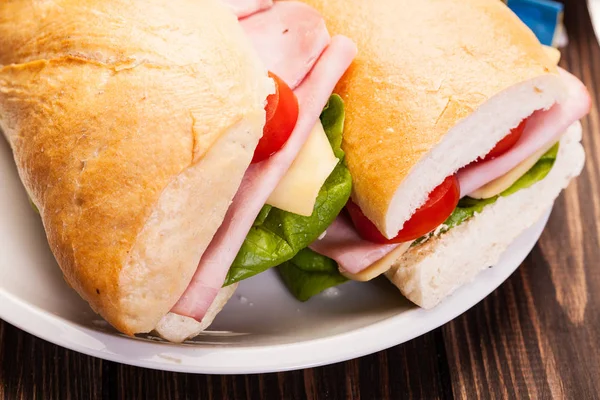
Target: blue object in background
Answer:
pixel 541 16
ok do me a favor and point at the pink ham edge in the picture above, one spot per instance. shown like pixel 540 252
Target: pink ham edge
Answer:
pixel 343 244
pixel 261 179
pixel 353 254
pixel 535 136
pixel 289 38
pixel 243 8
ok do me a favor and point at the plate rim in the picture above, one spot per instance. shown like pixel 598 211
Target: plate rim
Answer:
pixel 205 358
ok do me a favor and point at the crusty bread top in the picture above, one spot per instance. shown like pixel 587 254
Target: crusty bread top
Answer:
pixel 422 67
pixel 106 103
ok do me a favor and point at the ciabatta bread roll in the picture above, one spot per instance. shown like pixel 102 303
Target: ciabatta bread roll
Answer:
pixel 132 124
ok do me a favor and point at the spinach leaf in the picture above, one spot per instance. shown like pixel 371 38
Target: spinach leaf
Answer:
pixel 262 215
pixel 538 172
pixel 332 119
pixel 309 273
pixel 466 208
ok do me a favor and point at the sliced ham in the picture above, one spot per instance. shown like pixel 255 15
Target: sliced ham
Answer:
pixel 543 127
pixel 261 179
pixel 289 37
pixel 344 245
pixel 243 8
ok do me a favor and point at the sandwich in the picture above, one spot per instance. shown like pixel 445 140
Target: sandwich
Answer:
pixel 460 133
pixel 150 135
pixel 174 149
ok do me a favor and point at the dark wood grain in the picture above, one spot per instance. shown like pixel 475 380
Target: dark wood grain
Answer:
pixel 537 336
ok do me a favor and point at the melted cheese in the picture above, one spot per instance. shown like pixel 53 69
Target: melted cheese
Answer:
pixel 379 266
pixel 298 190
pixel 502 183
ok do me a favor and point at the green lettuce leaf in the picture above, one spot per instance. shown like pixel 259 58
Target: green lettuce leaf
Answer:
pixel 332 119
pixel 538 172
pixel 262 215
pixel 309 273
pixel 467 207
pixel 278 235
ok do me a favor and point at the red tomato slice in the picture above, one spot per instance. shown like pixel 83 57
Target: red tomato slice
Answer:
pixel 441 203
pixel 507 143
pixel 282 114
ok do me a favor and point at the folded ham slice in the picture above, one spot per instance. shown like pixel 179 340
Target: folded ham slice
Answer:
pixel 289 38
pixel 261 179
pixel 354 254
pixel 343 244
pixel 543 128
pixel 243 8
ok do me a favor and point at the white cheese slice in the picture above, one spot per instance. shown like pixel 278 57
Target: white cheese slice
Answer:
pixel 380 266
pixel 298 190
pixel 502 183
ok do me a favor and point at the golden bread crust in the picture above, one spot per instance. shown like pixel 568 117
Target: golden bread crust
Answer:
pixel 422 67
pixel 107 102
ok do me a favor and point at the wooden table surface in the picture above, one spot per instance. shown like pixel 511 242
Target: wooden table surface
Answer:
pixel 537 336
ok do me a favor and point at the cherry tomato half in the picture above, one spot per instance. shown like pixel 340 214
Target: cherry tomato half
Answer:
pixel 282 114
pixel 441 203
pixel 507 143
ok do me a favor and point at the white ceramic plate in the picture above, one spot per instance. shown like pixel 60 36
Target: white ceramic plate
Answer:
pixel 262 329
